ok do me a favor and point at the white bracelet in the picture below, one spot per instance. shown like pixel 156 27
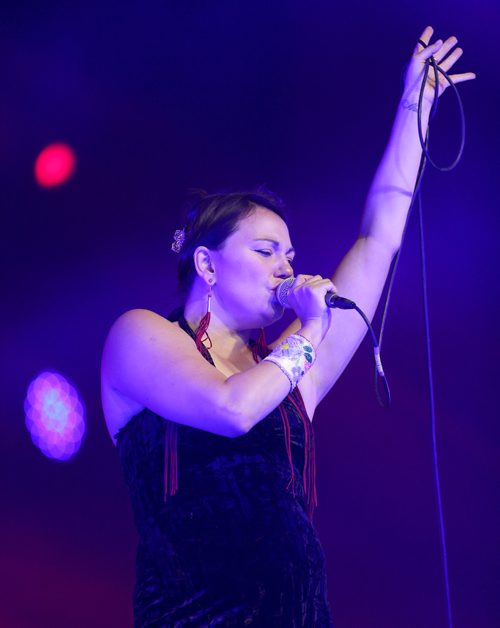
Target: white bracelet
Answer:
pixel 294 356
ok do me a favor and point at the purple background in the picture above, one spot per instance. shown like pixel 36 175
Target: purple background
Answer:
pixel 158 97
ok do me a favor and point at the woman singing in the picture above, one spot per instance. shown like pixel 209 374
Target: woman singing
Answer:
pixel 213 423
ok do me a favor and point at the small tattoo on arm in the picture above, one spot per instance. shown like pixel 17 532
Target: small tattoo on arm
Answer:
pixel 412 106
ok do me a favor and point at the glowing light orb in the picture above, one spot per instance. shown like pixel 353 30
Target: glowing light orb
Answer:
pixel 55 416
pixel 54 165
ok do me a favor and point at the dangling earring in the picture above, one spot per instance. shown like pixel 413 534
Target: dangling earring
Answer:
pixel 201 332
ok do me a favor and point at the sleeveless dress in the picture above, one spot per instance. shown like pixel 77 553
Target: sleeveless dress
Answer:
pixel 234 545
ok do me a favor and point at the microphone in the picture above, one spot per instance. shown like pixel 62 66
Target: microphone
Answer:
pixel 332 299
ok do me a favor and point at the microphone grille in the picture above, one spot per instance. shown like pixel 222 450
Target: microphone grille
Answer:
pixel 283 290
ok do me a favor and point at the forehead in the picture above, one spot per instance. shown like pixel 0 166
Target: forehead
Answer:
pixel 263 223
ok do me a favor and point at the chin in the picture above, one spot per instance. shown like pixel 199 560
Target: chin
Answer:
pixel 269 314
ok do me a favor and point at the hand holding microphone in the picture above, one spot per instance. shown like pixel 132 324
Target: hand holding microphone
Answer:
pixel 308 296
pixel 331 298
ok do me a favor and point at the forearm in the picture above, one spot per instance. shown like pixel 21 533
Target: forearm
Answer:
pixel 390 193
pixel 252 394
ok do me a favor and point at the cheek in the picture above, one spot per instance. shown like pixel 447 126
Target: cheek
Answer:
pixel 244 267
pixel 242 275
pixel 244 284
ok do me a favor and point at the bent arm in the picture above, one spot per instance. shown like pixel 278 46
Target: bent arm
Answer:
pixel 153 363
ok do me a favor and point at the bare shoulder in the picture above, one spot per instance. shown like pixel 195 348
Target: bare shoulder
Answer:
pixel 134 335
pixel 122 343
pixel 149 362
pixel 133 321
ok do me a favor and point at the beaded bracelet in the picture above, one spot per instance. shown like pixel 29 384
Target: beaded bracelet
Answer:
pixel 294 356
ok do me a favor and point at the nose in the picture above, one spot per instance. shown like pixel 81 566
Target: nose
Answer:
pixel 284 269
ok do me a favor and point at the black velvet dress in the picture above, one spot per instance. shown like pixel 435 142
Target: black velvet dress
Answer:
pixel 234 545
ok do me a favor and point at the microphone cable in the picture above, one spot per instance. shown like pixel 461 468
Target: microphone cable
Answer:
pixel 431 62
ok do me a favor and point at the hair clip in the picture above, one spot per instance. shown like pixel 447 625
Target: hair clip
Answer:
pixel 179 237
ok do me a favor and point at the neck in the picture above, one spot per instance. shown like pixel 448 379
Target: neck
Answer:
pixel 226 339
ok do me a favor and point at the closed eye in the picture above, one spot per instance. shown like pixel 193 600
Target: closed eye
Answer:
pixel 267 253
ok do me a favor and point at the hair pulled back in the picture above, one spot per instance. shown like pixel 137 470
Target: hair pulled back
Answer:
pixel 212 218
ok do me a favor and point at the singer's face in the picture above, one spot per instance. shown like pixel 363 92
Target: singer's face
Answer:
pixel 250 265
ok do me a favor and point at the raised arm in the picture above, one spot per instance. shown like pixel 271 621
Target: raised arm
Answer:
pixel 363 271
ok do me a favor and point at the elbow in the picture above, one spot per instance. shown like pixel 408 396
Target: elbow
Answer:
pixel 237 421
pixel 236 417
pixel 377 247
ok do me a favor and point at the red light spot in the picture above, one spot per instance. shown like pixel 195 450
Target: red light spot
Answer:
pixel 54 165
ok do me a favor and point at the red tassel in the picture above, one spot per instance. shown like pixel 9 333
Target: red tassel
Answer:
pixel 170 479
pixel 309 471
pixel 201 333
pixel 170 469
pixel 286 430
pixel 260 350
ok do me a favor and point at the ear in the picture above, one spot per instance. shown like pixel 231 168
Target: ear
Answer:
pixel 203 262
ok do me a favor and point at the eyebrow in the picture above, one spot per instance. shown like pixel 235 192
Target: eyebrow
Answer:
pixel 276 243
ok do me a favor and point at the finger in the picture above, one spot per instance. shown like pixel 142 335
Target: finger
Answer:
pixel 311 281
pixel 323 283
pixel 460 78
pixel 319 280
pixel 300 279
pixel 329 286
pixel 425 54
pixel 445 48
pixel 451 60
pixel 425 37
